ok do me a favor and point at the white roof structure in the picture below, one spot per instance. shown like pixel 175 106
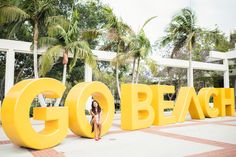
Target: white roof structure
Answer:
pixel 11 47
pixel 215 55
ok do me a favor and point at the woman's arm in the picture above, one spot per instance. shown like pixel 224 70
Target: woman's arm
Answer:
pixel 91 113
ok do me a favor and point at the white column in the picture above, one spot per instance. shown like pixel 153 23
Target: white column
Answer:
pixel 9 73
pixel 235 92
pixel 88 73
pixel 235 88
pixel 88 77
pixel 226 73
pixel 190 77
pixel 188 81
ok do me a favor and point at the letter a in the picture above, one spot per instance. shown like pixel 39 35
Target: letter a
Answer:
pixel 187 100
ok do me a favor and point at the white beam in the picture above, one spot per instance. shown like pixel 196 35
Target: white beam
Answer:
pixel 231 54
pixel 217 55
pixel 9 72
pixel 208 66
pixel 24 47
pixel 171 62
pixel 104 55
pixel 185 64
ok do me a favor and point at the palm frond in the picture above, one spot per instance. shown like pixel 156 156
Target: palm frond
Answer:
pixel 152 66
pixel 81 49
pixel 56 31
pixel 10 14
pixel 47 41
pixel 165 40
pixel 49 58
pixel 147 21
pixel 14 29
pixel 58 20
pixel 90 34
pixel 121 58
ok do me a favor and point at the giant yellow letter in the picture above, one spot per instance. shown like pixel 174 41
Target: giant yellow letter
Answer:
pixel 15 114
pixel 136 108
pixel 225 101
pixel 159 104
pixel 76 101
pixel 204 96
pixel 187 100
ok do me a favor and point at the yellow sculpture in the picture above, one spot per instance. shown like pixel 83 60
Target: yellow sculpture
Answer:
pixel 225 101
pixel 136 109
pixel 15 114
pixel 187 101
pixel 141 107
pixel 159 104
pixel 76 101
pixel 204 96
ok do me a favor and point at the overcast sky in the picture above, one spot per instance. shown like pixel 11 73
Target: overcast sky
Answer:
pixel 209 13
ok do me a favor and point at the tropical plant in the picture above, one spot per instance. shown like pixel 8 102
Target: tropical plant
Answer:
pixel 35 13
pixel 182 32
pixel 116 31
pixel 139 48
pixel 65 39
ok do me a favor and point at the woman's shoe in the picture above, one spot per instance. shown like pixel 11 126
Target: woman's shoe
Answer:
pixel 96 139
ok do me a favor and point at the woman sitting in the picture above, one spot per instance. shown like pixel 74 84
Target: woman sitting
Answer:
pixel 96 119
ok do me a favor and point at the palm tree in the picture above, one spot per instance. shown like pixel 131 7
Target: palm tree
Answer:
pixel 116 31
pixel 64 38
pixel 182 32
pixel 140 48
pixel 34 12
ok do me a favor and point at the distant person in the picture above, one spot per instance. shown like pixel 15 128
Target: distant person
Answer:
pixel 96 123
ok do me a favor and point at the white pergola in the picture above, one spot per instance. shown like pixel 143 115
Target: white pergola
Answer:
pixel 11 47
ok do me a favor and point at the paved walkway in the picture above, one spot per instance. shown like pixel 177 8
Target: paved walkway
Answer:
pixel 193 138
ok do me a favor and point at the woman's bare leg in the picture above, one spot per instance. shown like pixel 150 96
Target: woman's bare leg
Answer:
pixel 95 129
pixel 100 130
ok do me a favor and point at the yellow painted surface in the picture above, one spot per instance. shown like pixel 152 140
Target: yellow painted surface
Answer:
pixel 141 106
pixel 159 104
pixel 136 108
pixel 15 114
pixel 204 96
pixel 225 101
pixel 0 114
pixel 76 101
pixel 187 101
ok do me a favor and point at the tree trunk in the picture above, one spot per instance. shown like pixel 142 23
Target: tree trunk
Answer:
pixel 20 72
pixel 117 79
pixel 57 103
pixel 133 70
pixel 2 89
pixel 36 36
pixel 190 76
pixel 137 72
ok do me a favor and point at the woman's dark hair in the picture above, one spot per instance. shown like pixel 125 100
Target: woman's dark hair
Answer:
pixel 93 108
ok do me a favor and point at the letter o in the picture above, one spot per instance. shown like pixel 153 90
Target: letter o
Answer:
pixel 76 101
